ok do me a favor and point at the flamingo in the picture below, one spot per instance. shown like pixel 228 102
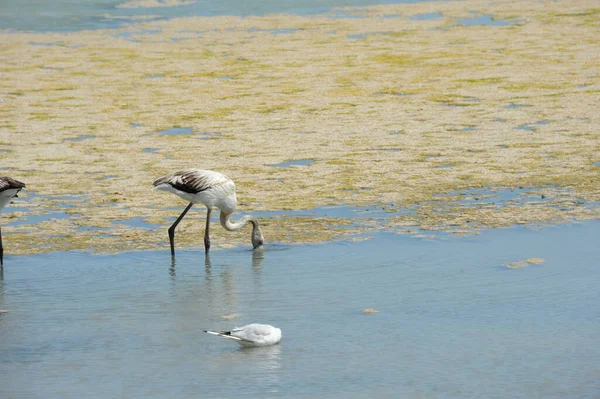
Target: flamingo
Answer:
pixel 9 188
pixel 213 189
pixel 251 335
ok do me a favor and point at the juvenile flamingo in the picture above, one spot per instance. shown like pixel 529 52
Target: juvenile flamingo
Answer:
pixel 213 189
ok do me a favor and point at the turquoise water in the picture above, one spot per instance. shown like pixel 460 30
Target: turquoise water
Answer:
pixel 73 15
pixel 486 20
pixel 294 162
pixel 453 321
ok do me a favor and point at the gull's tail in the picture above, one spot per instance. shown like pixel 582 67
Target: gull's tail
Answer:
pixel 224 334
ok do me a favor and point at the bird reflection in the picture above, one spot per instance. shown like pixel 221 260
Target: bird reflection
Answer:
pixel 266 361
pixel 218 293
pixel 1 286
pixel 172 268
pixel 257 257
pixel 207 266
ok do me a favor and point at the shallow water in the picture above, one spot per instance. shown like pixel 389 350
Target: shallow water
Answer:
pixel 294 162
pixel 73 15
pixel 486 20
pixel 453 320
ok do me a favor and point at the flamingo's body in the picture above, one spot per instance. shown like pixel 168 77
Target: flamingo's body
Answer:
pixel 251 335
pixel 213 189
pixel 9 188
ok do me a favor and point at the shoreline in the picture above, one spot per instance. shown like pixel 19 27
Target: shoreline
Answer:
pixel 433 236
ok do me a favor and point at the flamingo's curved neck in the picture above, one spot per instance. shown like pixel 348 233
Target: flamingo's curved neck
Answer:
pixel 235 226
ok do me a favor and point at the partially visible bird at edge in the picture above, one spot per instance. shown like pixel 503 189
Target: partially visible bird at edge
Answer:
pixel 251 335
pixel 9 188
pixel 213 189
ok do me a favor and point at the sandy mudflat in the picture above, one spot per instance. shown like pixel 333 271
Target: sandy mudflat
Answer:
pixel 397 112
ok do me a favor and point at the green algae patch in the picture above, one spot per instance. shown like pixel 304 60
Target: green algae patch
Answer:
pixel 408 114
pixel 524 263
pixel 370 311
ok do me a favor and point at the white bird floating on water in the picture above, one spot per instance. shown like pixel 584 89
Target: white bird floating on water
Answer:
pixel 211 189
pixel 9 188
pixel 251 335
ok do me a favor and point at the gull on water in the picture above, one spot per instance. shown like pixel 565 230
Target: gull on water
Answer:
pixel 213 189
pixel 251 335
pixel 9 188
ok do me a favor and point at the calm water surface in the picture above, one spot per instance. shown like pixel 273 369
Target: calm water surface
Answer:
pixel 453 322
pixel 73 15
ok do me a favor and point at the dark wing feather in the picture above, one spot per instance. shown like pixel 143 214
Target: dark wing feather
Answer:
pixel 193 181
pixel 7 183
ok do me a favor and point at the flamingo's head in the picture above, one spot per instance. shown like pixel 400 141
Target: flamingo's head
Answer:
pixel 257 236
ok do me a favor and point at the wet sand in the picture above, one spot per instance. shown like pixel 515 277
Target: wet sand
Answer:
pixel 422 116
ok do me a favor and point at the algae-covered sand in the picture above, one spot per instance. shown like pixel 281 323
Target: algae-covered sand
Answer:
pixel 399 109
